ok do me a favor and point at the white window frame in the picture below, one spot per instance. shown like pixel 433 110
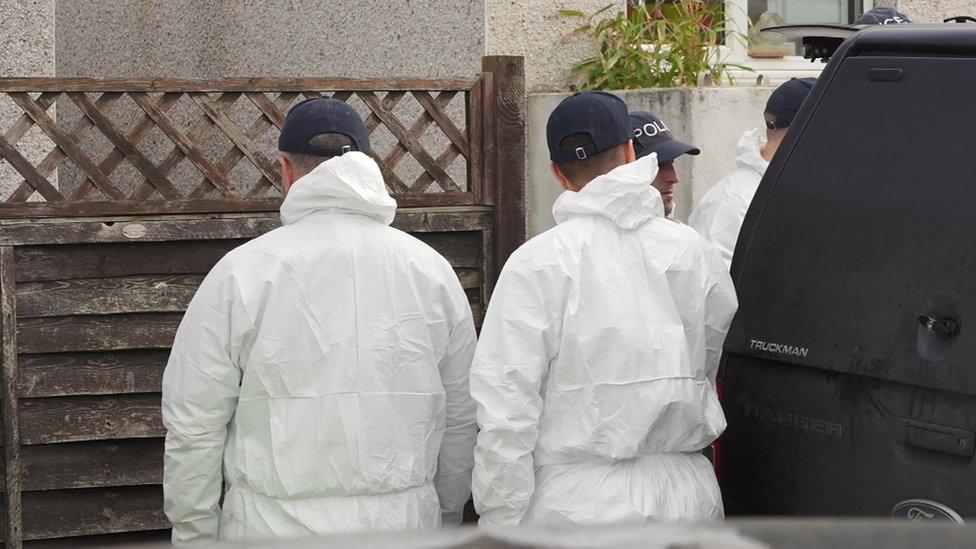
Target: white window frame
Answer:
pixel 767 71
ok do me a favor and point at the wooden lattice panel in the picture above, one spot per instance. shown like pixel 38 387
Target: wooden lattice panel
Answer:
pixel 136 146
pixel 93 292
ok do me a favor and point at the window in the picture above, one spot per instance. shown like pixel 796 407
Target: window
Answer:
pixel 773 59
pixel 776 59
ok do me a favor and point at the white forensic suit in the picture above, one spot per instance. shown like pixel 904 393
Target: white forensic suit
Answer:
pixel 324 367
pixel 594 375
pixel 721 211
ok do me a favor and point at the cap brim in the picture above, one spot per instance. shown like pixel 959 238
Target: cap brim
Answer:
pixel 669 150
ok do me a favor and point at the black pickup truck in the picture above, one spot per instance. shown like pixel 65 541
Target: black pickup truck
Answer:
pixel 849 373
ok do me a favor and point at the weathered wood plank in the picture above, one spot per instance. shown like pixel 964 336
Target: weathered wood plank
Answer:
pixel 488 272
pixel 81 418
pixel 444 122
pixel 114 134
pixel 473 113
pixel 94 464
pixel 237 136
pixel 68 146
pixel 100 296
pixel 390 102
pixel 409 141
pixel 157 230
pixel 424 180
pixel 136 135
pixel 55 156
pixel 8 390
pixel 186 145
pixel 55 262
pixel 200 130
pixel 271 84
pixel 461 249
pixel 429 200
pixel 65 513
pixel 508 155
pixel 270 111
pixel 139 131
pixel 29 173
pixel 256 132
pixel 446 219
pixel 99 541
pixel 34 210
pixel 488 168
pixel 215 226
pixel 74 374
pixel 399 150
pixel 97 333
pixel 23 124
pixel 478 313
pixel 469 278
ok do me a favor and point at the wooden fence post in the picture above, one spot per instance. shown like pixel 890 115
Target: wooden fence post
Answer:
pixel 8 387
pixel 504 125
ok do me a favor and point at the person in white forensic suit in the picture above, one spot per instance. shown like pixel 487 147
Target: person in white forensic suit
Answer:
pixel 652 135
pixel 594 374
pixel 722 210
pixel 319 380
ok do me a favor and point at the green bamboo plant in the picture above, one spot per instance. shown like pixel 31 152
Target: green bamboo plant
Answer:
pixel 658 44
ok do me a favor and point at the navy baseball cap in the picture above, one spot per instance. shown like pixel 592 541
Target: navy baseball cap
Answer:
pixel 320 115
pixel 601 115
pixel 786 100
pixel 882 16
pixel 651 135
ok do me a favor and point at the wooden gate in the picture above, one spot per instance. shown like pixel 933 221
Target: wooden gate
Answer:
pixel 118 196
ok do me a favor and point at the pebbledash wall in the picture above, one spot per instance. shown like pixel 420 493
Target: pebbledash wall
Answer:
pixel 27 43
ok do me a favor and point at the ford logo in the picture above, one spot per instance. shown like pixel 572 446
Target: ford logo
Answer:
pixel 923 509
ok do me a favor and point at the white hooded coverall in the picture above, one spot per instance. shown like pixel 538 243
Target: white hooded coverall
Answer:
pixel 324 367
pixel 721 211
pixel 595 368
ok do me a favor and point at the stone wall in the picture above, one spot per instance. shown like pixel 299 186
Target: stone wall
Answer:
pixel 193 39
pixel 934 11
pixel 27 43
pixel 532 29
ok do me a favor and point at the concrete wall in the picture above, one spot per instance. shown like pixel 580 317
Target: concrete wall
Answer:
pixel 191 38
pixel 27 43
pixel 934 11
pixel 197 39
pixel 530 28
pixel 712 118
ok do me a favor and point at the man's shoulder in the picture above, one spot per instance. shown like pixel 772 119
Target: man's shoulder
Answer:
pixel 257 252
pixel 735 189
pixel 675 232
pixel 544 248
pixel 740 186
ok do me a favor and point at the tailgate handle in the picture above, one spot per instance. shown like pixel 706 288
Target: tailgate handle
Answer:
pixel 946 328
pixel 940 438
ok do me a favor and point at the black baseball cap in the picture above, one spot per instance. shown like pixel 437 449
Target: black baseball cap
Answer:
pixel 601 115
pixel 320 115
pixel 882 16
pixel 651 135
pixel 786 101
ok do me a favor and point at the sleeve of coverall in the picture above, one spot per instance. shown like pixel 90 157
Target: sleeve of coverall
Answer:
pixel 512 359
pixel 200 390
pixel 454 463
pixel 720 306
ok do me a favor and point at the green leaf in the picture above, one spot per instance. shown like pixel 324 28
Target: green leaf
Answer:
pixel 579 14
